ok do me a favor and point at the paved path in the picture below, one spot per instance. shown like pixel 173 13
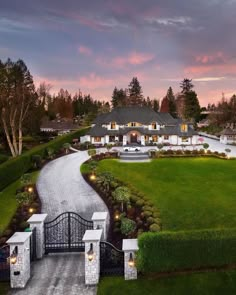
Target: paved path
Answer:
pixel 62 188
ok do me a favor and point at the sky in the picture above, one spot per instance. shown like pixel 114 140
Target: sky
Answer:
pixel 95 45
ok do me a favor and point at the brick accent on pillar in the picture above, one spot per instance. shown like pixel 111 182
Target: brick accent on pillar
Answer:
pixel 20 271
pixel 100 222
pixel 130 247
pixel 92 268
pixel 37 221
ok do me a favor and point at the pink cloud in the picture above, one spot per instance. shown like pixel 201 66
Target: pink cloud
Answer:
pixel 85 50
pixel 216 58
pixel 134 58
pixel 93 81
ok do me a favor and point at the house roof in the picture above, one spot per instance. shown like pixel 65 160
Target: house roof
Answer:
pixel 228 131
pixel 63 125
pixel 144 115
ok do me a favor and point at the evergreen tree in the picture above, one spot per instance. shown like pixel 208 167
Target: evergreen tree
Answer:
pixel 155 105
pixel 135 93
pixel 118 97
pixel 186 85
pixel 172 103
pixel 192 108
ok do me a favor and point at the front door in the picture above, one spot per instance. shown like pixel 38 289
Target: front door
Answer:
pixel 133 137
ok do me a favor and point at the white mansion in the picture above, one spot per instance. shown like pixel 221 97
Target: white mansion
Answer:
pixel 139 125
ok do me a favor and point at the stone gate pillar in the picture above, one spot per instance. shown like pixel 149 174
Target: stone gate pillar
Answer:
pixel 100 222
pixel 130 247
pixel 37 221
pixel 92 256
pixel 19 259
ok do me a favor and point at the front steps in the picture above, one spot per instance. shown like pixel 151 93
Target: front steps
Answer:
pixel 134 157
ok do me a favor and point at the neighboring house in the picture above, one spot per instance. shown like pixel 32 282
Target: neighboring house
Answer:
pixel 139 125
pixel 203 123
pixel 228 135
pixel 59 126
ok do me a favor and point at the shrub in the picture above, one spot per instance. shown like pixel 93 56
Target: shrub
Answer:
pixel 140 202
pixel 171 251
pixel 24 198
pixel 13 169
pixel 3 158
pixel 150 220
pixel 92 152
pixel 36 161
pixel 154 227
pixel 127 226
pixel 147 213
pixel 179 152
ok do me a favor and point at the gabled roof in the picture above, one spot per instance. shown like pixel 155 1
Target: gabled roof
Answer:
pixel 144 115
pixel 228 131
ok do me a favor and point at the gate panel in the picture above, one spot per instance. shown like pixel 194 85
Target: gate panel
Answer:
pixel 111 260
pixel 4 263
pixel 65 233
pixel 33 255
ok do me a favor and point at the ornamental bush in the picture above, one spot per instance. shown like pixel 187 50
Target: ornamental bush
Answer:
pixel 172 251
pixel 127 226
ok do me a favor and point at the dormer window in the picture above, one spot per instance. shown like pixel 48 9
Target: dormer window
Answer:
pixel 113 125
pixel 184 128
pixel 154 125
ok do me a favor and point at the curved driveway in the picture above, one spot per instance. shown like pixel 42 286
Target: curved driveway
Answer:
pixel 62 188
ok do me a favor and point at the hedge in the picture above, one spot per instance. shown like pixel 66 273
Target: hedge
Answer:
pixel 186 250
pixel 13 169
pixel 3 158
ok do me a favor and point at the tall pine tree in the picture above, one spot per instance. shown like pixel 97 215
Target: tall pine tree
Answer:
pixel 135 93
pixel 172 103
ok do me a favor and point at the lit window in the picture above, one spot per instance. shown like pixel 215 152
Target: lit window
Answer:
pixel 154 125
pixel 184 127
pixel 97 139
pixel 154 138
pixel 113 125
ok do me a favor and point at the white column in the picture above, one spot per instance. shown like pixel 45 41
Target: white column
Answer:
pixel 92 239
pixel 124 140
pixel 142 140
pixel 130 247
pixel 37 221
pixel 20 270
pixel 100 222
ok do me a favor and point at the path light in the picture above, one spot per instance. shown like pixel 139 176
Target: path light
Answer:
pixel 31 210
pixel 131 260
pixel 13 256
pixel 30 189
pixel 92 176
pixel 90 253
pixel 117 216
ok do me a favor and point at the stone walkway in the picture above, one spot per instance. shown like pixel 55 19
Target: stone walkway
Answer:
pixel 62 188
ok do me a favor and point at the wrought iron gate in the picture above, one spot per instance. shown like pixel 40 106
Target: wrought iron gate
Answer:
pixel 65 233
pixel 111 260
pixel 33 256
pixel 4 263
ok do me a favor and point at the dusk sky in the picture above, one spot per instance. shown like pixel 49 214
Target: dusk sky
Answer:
pixel 95 45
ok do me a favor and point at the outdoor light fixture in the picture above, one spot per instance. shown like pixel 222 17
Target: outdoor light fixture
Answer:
pixel 30 189
pixel 31 210
pixel 90 253
pixel 13 256
pixel 117 216
pixel 92 176
pixel 131 260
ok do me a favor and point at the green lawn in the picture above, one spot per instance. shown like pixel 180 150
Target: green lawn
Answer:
pixel 8 204
pixel 217 283
pixel 191 193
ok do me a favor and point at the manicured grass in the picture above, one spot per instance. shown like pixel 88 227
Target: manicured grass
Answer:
pixel 217 283
pixel 8 204
pixel 191 193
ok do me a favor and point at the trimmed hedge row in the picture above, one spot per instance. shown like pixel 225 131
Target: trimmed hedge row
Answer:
pixel 13 169
pixel 185 250
pixel 3 158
